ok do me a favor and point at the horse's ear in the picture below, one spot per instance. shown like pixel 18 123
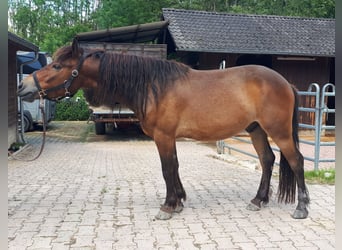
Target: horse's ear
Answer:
pixel 76 50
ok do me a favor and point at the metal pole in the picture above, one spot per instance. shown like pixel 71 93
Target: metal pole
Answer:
pixel 220 144
pixel 318 124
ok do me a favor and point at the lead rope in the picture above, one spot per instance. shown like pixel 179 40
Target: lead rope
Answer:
pixel 41 107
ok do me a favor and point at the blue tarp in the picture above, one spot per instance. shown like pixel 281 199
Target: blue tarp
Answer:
pixel 29 56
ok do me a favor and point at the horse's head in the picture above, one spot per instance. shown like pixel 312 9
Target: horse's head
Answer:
pixel 59 79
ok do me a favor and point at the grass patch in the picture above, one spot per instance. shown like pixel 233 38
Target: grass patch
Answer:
pixel 77 131
pixel 326 176
pixel 16 146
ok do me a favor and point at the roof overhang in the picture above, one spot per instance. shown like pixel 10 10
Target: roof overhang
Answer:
pixel 139 33
pixel 21 43
pixel 269 52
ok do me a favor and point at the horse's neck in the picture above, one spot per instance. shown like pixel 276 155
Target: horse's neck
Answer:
pixel 93 98
pixel 96 99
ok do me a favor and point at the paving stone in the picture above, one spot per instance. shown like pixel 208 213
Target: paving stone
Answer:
pixel 105 194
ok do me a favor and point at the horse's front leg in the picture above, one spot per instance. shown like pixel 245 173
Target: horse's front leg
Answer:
pixel 174 188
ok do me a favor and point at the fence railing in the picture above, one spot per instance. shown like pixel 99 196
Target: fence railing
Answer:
pixel 320 111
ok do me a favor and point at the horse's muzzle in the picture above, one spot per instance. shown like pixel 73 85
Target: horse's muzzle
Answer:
pixel 26 90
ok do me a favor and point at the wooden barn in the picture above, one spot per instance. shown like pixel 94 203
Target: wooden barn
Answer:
pixel 15 43
pixel 301 49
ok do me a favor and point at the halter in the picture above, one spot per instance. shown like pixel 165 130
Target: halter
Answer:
pixel 65 85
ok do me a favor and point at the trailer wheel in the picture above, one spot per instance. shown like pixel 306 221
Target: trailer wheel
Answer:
pixel 28 121
pixel 100 128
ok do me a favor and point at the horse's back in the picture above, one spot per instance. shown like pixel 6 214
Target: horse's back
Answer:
pixel 245 87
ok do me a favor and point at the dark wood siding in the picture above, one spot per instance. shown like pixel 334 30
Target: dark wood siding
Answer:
pixel 302 74
pixel 15 44
pixel 12 97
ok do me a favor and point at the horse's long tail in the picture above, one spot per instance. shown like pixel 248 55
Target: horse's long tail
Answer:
pixel 287 180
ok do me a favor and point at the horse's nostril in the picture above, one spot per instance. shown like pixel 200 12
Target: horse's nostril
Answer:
pixel 20 85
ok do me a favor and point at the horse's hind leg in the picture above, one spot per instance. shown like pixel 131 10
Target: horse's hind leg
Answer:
pixel 291 171
pixel 266 157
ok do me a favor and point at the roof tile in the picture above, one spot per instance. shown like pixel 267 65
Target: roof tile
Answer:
pixel 242 33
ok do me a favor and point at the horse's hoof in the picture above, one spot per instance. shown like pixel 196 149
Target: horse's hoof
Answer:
pixel 300 214
pixel 179 208
pixel 252 207
pixel 162 215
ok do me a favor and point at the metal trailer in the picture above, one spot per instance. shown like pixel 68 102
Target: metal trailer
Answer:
pixel 33 116
pixel 103 116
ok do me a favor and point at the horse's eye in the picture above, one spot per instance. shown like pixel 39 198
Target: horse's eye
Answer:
pixel 56 66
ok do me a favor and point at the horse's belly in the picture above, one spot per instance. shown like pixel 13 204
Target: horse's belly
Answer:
pixel 211 130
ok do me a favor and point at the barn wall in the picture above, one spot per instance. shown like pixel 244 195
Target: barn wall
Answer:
pixel 201 61
pixel 12 97
pixel 302 73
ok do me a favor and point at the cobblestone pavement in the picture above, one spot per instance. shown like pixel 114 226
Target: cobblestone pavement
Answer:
pixel 104 195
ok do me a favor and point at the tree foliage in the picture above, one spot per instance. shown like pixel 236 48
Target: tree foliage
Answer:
pixel 128 12
pixel 53 23
pixel 50 24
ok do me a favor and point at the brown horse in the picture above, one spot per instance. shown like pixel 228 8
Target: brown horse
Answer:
pixel 172 100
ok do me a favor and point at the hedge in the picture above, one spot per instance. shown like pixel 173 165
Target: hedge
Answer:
pixel 72 109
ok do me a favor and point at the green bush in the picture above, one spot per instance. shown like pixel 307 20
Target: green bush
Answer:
pixel 73 109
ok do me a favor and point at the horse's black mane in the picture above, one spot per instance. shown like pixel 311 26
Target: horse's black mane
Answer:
pixel 131 77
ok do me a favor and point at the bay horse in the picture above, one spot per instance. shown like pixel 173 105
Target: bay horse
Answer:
pixel 172 100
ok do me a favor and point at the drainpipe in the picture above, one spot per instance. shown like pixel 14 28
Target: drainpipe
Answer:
pixel 21 134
